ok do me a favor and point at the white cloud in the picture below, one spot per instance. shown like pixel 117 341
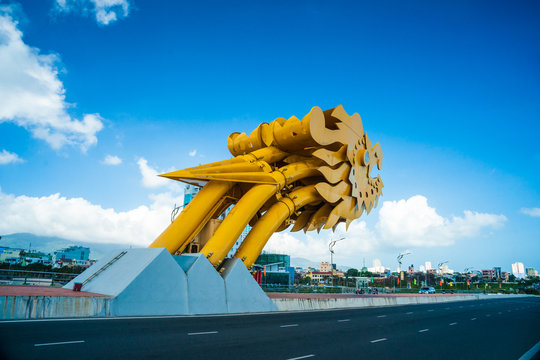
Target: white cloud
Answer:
pixel 105 11
pixel 150 178
pixel 32 96
pixel 401 224
pixel 7 157
pixel 193 152
pixel 112 160
pixel 78 219
pixel 534 212
pixel 413 222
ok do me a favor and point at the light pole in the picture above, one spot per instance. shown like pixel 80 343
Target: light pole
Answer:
pixel 399 258
pixel 331 245
pixel 440 269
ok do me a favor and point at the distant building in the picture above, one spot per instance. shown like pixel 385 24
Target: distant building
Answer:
pixel 326 266
pixel 531 272
pixel 189 193
pixel 497 273
pixel 505 276
pixel 276 268
pixel 411 269
pixel 518 270
pixel 428 265
pixel 377 267
pixel 488 274
pixel 422 269
pixel 10 255
pixel 72 253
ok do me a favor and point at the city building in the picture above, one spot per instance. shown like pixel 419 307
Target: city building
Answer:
pixel 319 277
pixel 189 193
pixel 488 274
pixel 377 267
pixel 72 253
pixel 422 269
pixel 518 270
pixel 497 273
pixel 531 272
pixel 428 265
pixel 411 269
pixel 276 269
pixel 10 255
pixel 326 267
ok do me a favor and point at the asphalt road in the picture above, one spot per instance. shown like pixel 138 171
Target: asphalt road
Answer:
pixel 485 329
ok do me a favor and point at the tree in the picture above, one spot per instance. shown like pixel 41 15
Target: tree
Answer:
pixel 353 272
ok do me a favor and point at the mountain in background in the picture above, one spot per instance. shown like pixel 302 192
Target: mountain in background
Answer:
pixel 49 244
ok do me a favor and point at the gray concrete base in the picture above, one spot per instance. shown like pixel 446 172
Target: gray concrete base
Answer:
pixel 242 291
pixel 40 307
pixel 205 288
pixel 153 282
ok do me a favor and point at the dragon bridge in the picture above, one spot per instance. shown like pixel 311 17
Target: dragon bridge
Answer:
pixel 312 174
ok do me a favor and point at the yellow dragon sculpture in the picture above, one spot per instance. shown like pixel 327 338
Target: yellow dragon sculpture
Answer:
pixel 312 174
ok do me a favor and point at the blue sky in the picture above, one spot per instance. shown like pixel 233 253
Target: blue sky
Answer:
pixel 451 90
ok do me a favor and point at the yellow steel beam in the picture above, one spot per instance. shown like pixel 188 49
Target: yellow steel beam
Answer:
pixel 194 216
pixel 257 238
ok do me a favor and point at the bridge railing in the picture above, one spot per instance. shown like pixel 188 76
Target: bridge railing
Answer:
pixel 34 278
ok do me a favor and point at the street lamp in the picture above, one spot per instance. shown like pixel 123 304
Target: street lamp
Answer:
pixel 331 245
pixel 400 257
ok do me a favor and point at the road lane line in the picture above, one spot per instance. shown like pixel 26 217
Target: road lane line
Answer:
pixel 431 310
pixel 488 315
pixel 531 353
pixel 423 330
pixel 473 319
pixel 461 307
pixel 378 340
pixel 343 320
pixel 454 323
pixel 381 316
pixel 203 333
pixel 289 325
pixel 61 343
pixel 499 313
pixel 409 313
pixel 447 308
pixel 302 357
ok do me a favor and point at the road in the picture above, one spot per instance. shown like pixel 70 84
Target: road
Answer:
pixel 483 329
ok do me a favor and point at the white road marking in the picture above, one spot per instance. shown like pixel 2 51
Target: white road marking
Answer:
pixel 409 313
pixel 461 307
pixel 499 313
pixel 473 319
pixel 431 310
pixel 447 308
pixel 343 320
pixel 203 333
pixel 531 353
pixel 381 316
pixel 374 341
pixel 61 343
pixel 289 325
pixel 454 323
pixel 302 357
pixel 488 315
pixel 423 330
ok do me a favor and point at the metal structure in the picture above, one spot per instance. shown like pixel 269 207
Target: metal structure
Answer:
pixel 310 174
pixel 331 245
pixel 400 257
